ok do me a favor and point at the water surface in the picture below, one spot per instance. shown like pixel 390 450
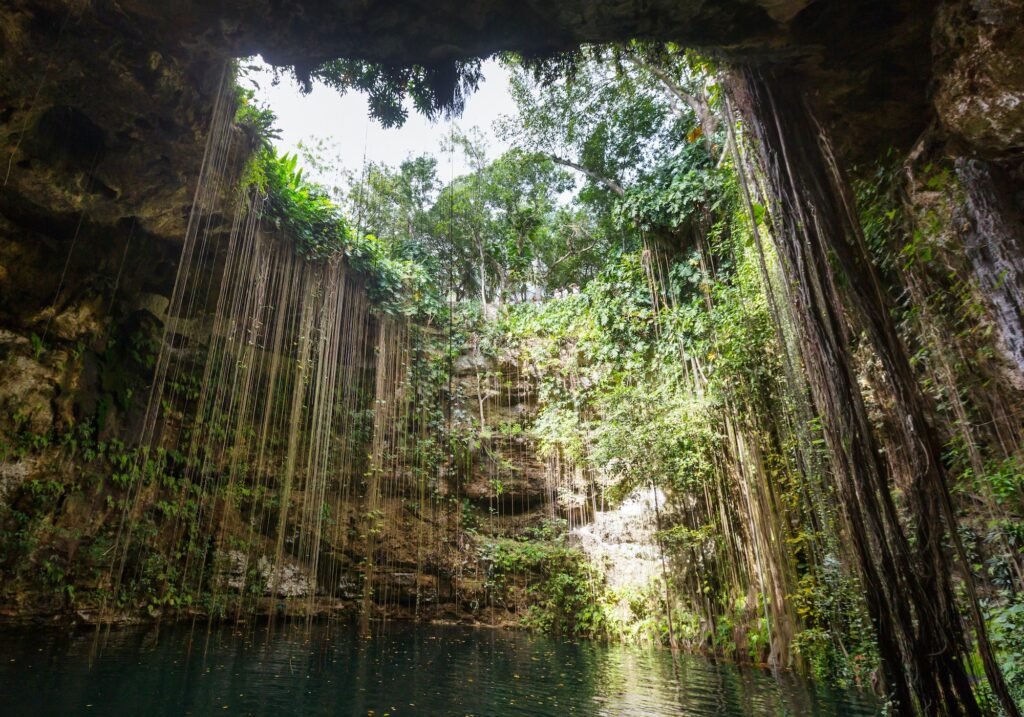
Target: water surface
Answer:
pixel 431 671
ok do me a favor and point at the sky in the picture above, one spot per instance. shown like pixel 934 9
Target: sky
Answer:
pixel 343 123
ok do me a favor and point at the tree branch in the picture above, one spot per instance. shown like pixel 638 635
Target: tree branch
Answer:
pixel 607 182
pixel 571 253
pixel 699 104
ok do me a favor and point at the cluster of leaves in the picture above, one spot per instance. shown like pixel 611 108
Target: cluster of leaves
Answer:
pixel 826 599
pixel 487 234
pixel 637 121
pixel 676 193
pixel 434 90
pixel 255 119
pixel 613 370
pixel 300 211
pixel 33 546
pixel 304 213
pixel 1006 629
pixel 567 593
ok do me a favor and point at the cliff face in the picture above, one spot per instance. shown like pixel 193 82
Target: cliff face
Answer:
pixel 98 122
pixel 979 140
pixel 103 137
pixel 75 401
pixel 502 471
pixel 410 31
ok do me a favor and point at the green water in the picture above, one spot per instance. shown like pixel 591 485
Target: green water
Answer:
pixel 403 670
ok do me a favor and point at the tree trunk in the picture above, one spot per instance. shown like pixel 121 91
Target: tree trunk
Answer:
pixel 836 295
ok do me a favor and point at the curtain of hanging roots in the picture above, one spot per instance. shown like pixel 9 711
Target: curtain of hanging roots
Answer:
pixel 836 295
pixel 254 415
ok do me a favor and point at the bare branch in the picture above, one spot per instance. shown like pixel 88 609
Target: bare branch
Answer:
pixel 699 104
pixel 606 181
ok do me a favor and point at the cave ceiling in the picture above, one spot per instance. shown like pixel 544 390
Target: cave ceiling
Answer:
pixel 103 104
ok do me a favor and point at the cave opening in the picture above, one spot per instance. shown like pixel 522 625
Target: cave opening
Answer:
pixel 711 349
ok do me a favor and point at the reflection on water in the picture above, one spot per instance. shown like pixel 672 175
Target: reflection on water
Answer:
pixel 403 670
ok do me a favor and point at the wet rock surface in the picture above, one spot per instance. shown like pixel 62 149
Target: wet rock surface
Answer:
pixel 979 97
pixel 623 541
pixel 98 122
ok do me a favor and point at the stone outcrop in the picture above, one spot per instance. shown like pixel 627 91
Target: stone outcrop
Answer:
pixel 623 541
pixel 965 174
pixel 410 31
pixel 496 402
pixel 979 96
pixel 98 124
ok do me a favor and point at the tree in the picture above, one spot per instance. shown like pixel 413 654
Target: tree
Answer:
pixel 639 124
pixel 394 205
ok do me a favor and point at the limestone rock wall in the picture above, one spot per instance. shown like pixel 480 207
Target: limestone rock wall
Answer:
pixel 964 177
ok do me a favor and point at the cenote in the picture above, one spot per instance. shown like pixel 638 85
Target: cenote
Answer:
pixel 401 670
pixel 557 357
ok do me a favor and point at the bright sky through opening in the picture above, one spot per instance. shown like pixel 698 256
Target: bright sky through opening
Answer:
pixel 344 124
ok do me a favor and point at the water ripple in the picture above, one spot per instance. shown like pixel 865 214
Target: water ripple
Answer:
pixel 403 670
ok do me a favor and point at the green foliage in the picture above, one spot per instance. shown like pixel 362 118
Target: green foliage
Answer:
pixel 549 530
pixel 676 193
pixel 880 215
pixel 566 592
pixel 394 205
pixel 436 89
pixel 1002 479
pixel 38 346
pixel 649 427
pixel 257 121
pixel 1006 630
pixel 836 642
pixel 488 232
pixel 304 213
